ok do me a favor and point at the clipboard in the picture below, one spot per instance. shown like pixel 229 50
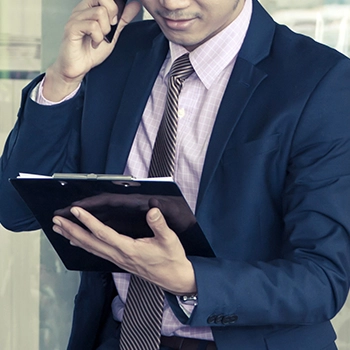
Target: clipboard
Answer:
pixel 119 201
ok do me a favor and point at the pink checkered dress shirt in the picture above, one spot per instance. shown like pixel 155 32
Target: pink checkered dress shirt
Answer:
pixel 199 102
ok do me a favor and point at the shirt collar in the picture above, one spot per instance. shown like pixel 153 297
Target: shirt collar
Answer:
pixel 212 57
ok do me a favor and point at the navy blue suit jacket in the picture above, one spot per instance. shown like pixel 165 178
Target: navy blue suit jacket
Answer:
pixel 274 197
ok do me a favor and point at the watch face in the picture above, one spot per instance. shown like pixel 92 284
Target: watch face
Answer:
pixel 189 299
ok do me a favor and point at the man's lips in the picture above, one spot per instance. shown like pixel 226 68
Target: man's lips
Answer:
pixel 178 24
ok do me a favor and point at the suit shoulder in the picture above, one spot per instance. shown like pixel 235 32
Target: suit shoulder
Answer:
pixel 306 49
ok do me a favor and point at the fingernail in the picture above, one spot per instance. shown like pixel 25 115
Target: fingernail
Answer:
pixel 154 214
pixel 75 212
pixel 114 21
pixel 57 229
pixel 56 221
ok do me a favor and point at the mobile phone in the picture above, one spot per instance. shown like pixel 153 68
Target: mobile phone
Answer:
pixel 121 5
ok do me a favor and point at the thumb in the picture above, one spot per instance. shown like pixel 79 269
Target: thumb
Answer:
pixel 157 223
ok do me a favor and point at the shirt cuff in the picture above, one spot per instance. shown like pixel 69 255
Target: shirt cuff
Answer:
pixel 37 95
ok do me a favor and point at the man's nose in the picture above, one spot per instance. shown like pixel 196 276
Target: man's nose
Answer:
pixel 173 5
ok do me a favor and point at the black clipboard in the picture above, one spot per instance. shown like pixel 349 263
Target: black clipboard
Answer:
pixel 121 202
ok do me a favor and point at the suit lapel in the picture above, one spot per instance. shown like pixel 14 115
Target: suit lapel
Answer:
pixel 245 79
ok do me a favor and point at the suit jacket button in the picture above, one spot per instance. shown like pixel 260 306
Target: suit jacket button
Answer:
pixel 219 319
pixel 211 319
pixel 230 319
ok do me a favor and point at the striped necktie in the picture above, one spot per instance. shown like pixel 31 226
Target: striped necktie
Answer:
pixel 142 319
pixel 163 156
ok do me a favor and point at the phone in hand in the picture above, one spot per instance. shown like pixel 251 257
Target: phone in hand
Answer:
pixel 121 5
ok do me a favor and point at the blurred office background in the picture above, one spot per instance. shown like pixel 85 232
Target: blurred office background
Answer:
pixel 36 291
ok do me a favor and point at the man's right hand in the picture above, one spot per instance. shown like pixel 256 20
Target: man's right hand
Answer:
pixel 83 46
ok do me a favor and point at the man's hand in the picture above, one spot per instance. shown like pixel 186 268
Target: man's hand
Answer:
pixel 160 259
pixel 83 46
pixel 111 208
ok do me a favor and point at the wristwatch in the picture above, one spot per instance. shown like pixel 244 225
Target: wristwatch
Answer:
pixel 189 299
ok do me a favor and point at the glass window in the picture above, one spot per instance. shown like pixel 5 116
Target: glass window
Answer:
pixel 326 21
pixel 36 291
pixel 20 37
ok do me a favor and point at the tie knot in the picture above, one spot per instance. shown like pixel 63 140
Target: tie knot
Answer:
pixel 181 68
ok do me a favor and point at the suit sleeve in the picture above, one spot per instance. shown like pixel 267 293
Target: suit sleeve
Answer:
pixel 44 140
pixel 309 280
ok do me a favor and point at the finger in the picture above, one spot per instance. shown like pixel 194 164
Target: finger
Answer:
pixel 129 13
pixel 101 231
pixel 73 232
pixel 121 6
pixel 157 223
pixel 83 239
pixel 85 4
pixel 92 21
pixel 109 5
pixel 113 8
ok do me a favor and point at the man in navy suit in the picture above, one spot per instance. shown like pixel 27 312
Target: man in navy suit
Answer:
pixel 263 158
